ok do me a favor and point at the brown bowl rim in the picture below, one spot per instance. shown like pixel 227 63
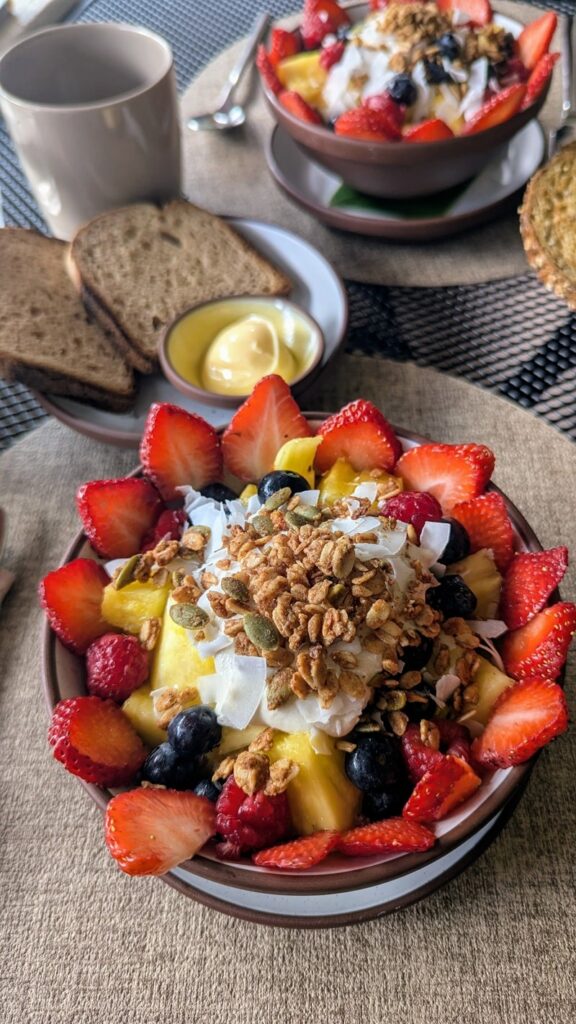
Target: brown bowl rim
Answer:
pixel 233 401
pixel 289 883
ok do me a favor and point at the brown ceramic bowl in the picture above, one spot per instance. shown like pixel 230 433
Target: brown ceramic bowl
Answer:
pixel 192 388
pixel 64 676
pixel 397 170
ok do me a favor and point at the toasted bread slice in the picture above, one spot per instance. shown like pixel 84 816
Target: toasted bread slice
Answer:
pixel 47 339
pixel 548 224
pixel 140 266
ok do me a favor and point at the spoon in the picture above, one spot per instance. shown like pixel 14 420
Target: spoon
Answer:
pixel 568 110
pixel 227 113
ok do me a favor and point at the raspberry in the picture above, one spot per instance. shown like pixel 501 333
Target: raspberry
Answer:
pixel 115 665
pixel 454 740
pixel 416 507
pixel 169 523
pixel 249 822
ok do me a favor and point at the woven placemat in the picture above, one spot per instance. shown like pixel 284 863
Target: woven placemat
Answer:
pixel 84 944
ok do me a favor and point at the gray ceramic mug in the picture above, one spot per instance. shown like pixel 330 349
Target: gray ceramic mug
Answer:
pixel 93 113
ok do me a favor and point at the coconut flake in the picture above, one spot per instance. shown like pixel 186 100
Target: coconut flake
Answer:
pixel 490 649
pixel 433 540
pixel 366 524
pixel 338 719
pixel 368 489
pixel 310 497
pixel 238 689
pixel 489 629
pixel 115 563
pixel 477 85
pixel 446 686
pixel 214 643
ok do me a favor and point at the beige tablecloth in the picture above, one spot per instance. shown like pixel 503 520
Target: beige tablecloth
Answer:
pixel 83 944
pixel 227 173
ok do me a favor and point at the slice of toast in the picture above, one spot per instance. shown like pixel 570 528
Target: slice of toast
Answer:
pixel 140 266
pixel 548 224
pixel 47 339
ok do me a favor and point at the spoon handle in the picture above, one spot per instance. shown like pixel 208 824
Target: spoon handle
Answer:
pixel 568 100
pixel 244 60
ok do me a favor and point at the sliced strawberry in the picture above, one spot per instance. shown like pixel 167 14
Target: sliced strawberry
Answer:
pixel 530 579
pixel 488 525
pixel 450 472
pixel 319 19
pixel 496 110
pixel 534 40
pixel 150 831
pixel 479 11
pixel 524 718
pixel 394 835
pixel 177 448
pixel 260 427
pixel 283 44
pixel 116 514
pixel 300 854
pixel 541 646
pixel 429 131
pixel 447 784
pixel 539 77
pixel 419 757
pixel 360 434
pixel 332 54
pixel 297 106
pixel 169 525
pixel 72 597
pixel 383 102
pixel 267 73
pixel 367 125
pixel 93 739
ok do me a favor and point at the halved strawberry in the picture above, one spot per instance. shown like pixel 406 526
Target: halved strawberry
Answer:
pixel 530 579
pixel 331 54
pixel 479 11
pixel 149 831
pixel 447 784
pixel 367 124
pixel 394 835
pixel 539 77
pixel 169 524
pixel 450 472
pixel 72 597
pixel 534 40
pixel 267 73
pixel 541 646
pixel 178 447
pixel 433 130
pixel 116 514
pixel 524 718
pixel 488 525
pixel 300 854
pixel 496 110
pixel 360 434
pixel 319 19
pixel 282 44
pixel 93 739
pixel 259 428
pixel 297 106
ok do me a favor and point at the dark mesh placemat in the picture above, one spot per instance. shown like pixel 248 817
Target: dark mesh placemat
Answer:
pixel 510 336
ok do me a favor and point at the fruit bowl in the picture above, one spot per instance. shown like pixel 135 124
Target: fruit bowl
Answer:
pixel 399 170
pixel 64 677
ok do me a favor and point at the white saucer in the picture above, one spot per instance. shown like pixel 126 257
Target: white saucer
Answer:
pixel 482 199
pixel 317 289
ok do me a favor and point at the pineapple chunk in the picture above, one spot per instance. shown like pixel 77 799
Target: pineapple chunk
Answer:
pixel 138 708
pixel 341 480
pixel 305 75
pixel 298 455
pixel 490 682
pixel 176 660
pixel 249 491
pixel 480 574
pixel 321 796
pixel 128 608
pixel 236 739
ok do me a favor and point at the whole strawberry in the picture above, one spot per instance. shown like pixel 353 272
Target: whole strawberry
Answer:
pixel 116 665
pixel 249 822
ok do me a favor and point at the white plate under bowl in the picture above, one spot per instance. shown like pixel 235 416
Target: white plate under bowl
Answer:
pixel 483 198
pixel 317 289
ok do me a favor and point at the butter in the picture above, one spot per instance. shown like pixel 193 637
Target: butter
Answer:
pixel 242 353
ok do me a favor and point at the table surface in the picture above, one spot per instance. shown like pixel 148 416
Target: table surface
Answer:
pixel 509 336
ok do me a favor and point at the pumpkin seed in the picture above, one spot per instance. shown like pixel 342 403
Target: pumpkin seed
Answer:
pixel 188 615
pixel 294 520
pixel 310 513
pixel 336 594
pixel 127 573
pixel 262 524
pixel 394 700
pixel 278 498
pixel 235 588
pixel 261 631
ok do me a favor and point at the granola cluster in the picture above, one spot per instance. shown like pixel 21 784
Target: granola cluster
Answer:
pixel 413 23
pixel 254 772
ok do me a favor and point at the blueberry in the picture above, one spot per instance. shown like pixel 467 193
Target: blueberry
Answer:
pixel 376 763
pixel 458 545
pixel 449 46
pixel 402 90
pixel 278 479
pixel 416 656
pixel 194 731
pixel 164 768
pixel 218 492
pixel 342 33
pixel 435 73
pixel 452 597
pixel 211 790
pixel 386 804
